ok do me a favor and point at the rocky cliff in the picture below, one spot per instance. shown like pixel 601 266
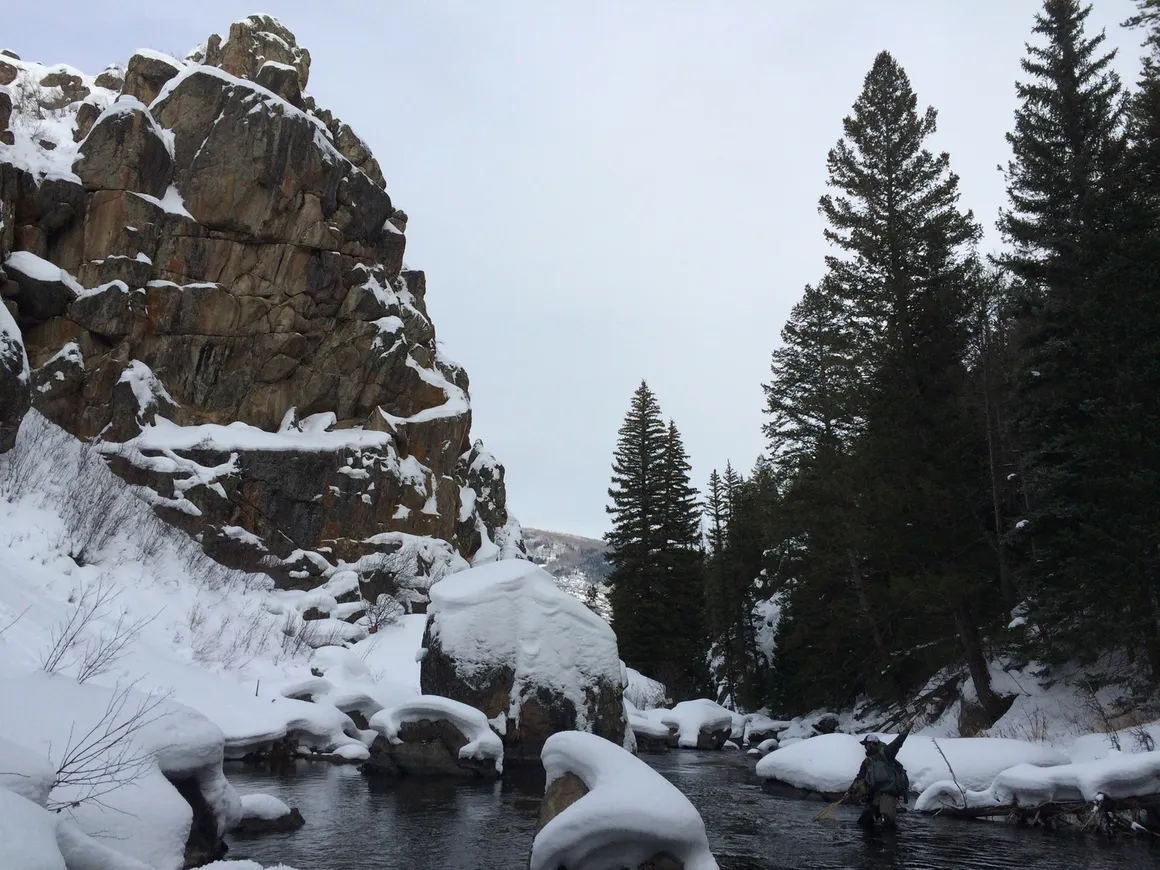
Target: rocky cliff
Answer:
pixel 207 275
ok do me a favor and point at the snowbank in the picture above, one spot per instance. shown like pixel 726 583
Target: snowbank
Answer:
pixel 629 814
pixel 145 738
pixel 643 725
pixel 24 772
pixel 511 614
pixel 1025 785
pixel 829 763
pixel 482 742
pixel 692 718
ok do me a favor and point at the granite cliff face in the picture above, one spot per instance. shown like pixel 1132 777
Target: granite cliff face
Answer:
pixel 206 272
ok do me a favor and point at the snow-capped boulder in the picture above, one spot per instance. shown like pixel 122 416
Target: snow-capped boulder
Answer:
pixel 760 728
pixel 506 640
pixel 125 150
pixel 826 765
pixel 15 396
pixel 431 736
pixel 147 73
pixel 604 808
pixel 43 290
pixel 265 814
pixel 700 724
pixel 651 735
pixel 251 43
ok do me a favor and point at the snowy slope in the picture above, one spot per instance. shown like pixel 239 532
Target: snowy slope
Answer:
pixel 577 564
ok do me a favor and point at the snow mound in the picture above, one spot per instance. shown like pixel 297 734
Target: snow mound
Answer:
pixel 1122 776
pixel 25 773
pixel 642 724
pixel 828 763
pixel 692 718
pixel 629 814
pixel 28 833
pixel 511 613
pixel 482 742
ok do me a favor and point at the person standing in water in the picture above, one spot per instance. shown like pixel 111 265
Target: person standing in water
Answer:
pixel 881 780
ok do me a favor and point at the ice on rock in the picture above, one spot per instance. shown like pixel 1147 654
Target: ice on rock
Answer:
pixel 693 718
pixel 482 742
pixel 1028 785
pixel 828 763
pixel 629 814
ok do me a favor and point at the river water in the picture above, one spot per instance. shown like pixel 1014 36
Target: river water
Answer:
pixel 356 824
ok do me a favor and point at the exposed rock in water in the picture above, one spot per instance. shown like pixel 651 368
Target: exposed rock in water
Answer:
pixel 210 284
pixel 428 748
pixel 255 825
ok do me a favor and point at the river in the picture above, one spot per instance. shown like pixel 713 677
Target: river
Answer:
pixel 410 824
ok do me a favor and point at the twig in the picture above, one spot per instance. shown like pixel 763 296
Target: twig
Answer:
pixel 962 791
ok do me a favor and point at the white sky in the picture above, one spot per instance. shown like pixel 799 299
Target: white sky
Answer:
pixel 605 190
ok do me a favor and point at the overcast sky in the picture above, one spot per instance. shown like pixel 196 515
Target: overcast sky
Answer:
pixel 607 190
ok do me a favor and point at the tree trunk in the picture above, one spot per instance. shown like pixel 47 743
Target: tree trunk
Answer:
pixel 864 603
pixel 977 663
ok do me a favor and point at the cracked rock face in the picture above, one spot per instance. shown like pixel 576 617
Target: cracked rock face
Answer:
pixel 207 272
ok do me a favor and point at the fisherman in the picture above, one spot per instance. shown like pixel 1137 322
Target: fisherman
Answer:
pixel 882 780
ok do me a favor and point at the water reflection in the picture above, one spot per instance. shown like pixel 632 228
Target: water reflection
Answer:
pixel 410 824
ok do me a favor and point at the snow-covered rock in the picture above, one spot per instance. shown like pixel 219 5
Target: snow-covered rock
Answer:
pixel 265 814
pixel 434 736
pixel 1029 786
pixel 700 724
pixel 504 639
pixel 760 728
pixel 604 809
pixel 651 734
pixel 14 379
pixel 827 764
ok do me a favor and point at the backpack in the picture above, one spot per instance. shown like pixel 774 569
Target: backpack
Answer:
pixel 887 776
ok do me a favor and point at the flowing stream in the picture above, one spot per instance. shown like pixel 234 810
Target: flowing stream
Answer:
pixel 410 824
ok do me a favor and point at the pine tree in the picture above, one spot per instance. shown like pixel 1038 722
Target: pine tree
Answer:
pixel 1067 147
pixel 637 534
pixel 1083 221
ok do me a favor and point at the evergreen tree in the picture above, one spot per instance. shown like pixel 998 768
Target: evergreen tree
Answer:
pixel 636 537
pixel 657 579
pixel 1062 182
pixel 1083 221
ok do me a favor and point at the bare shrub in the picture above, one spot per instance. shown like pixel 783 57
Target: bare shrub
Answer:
pixel 236 641
pixel 1033 726
pixel 20 466
pixel 107 756
pixel 383 612
pixel 91 656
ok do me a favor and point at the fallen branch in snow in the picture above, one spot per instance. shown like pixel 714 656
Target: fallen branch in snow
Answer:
pixel 16 619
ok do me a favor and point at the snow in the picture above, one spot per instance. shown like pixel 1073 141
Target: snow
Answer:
pixel 759 723
pixel 147 389
pixel 641 724
pixel 28 834
pixel 27 263
pixel 630 813
pixel 171 202
pixel 644 692
pixel 12 346
pixel 1121 776
pixel 482 742
pixel 828 763
pixel 690 718
pixel 263 806
pixel 166 435
pixel 24 772
pixel 511 613
pixel 53 716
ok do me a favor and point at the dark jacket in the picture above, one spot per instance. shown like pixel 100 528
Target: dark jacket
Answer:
pixel 881 773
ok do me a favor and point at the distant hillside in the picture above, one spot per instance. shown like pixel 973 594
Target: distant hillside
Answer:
pixel 576 563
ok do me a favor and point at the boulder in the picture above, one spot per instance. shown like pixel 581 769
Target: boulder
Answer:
pixel 600 804
pixel 427 748
pixel 14 381
pixel 5 117
pixel 265 814
pixel 42 290
pixel 60 88
pixel 111 78
pixel 110 313
pixel 87 115
pixel 281 80
pixel 506 640
pixel 125 150
pixel 147 73
pixel 251 43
